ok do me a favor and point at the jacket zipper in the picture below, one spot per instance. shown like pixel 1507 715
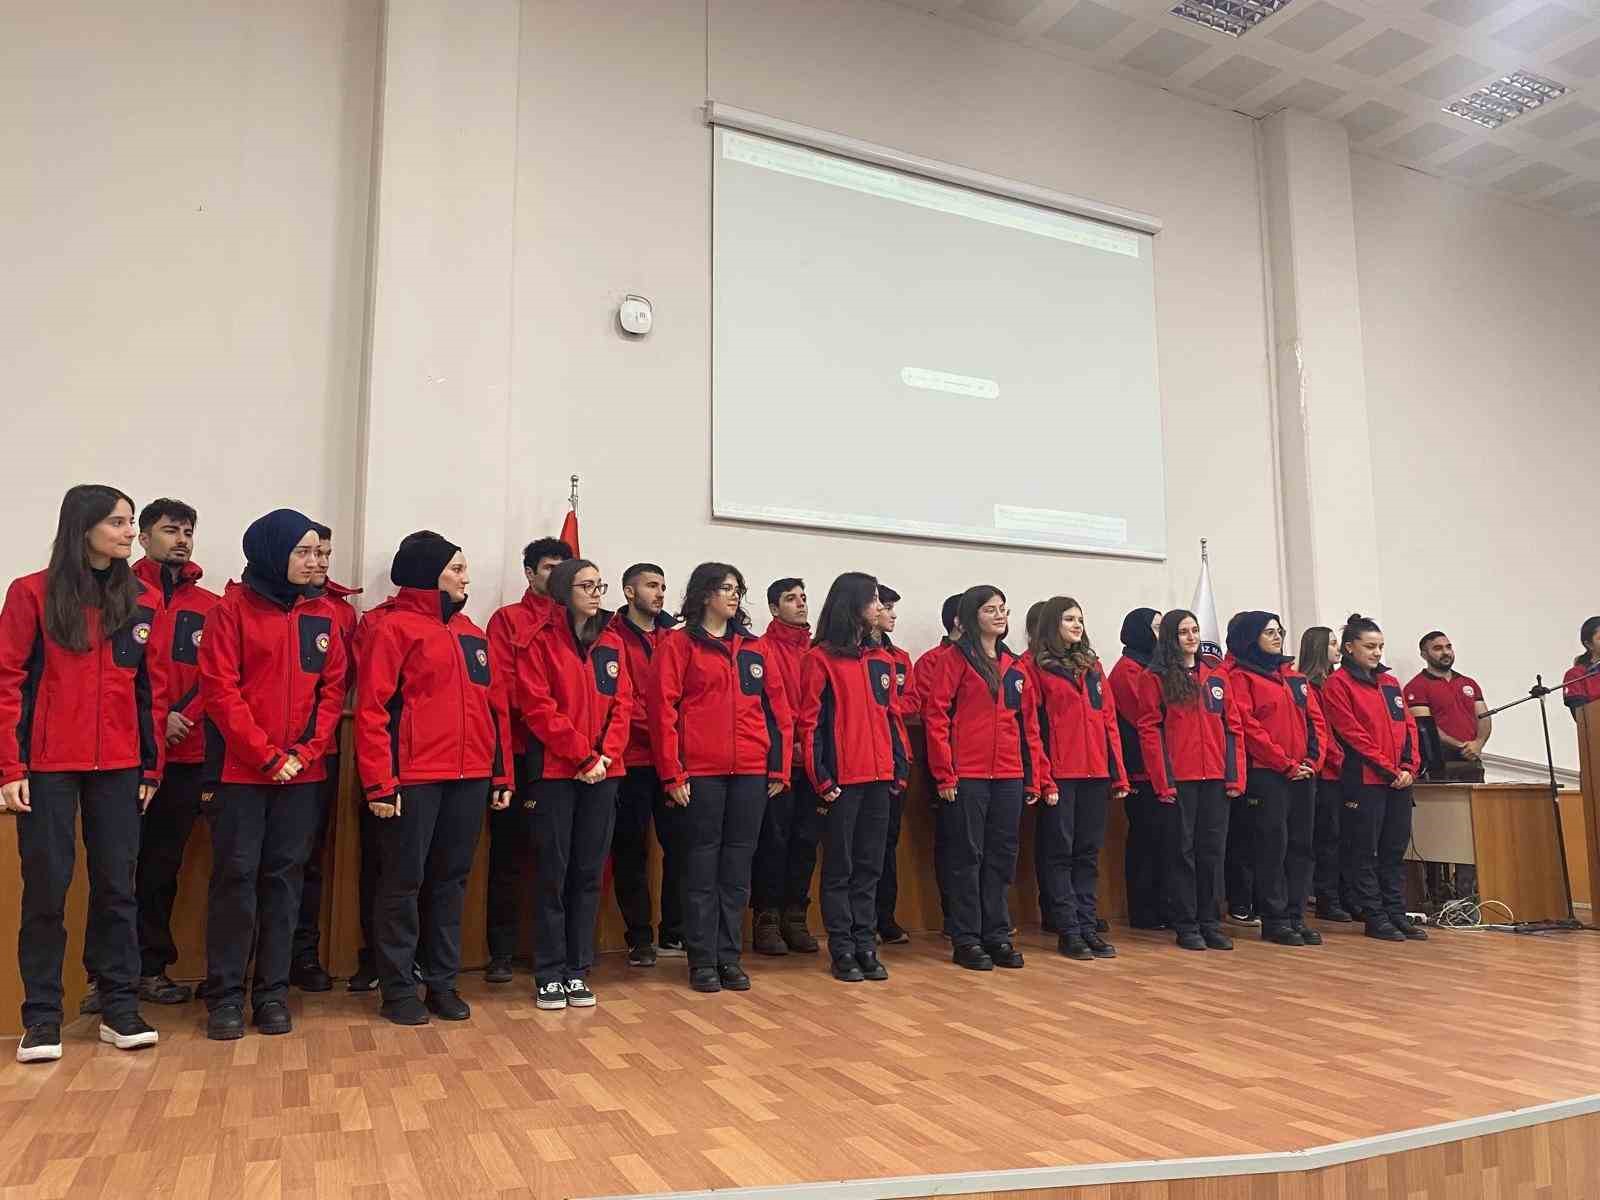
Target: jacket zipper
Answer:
pixel 100 652
pixel 461 709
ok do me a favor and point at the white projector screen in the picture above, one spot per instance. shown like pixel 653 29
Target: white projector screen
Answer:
pixel 897 355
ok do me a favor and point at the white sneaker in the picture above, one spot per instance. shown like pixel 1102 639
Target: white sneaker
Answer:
pixel 40 1043
pixel 128 1032
pixel 579 995
pixel 551 996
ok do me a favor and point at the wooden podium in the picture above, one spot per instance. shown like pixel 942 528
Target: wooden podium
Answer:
pixel 1589 763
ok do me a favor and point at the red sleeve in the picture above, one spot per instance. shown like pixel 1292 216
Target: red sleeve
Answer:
pixel 619 715
pixel 543 715
pixel 813 682
pixel 225 705
pixel 1320 725
pixel 1256 739
pixel 504 655
pixel 666 693
pixel 499 713
pixel 1147 690
pixel 937 694
pixel 1413 758
pixel 152 691
pixel 1043 783
pixel 377 681
pixel 897 725
pixel 909 703
pixel 1231 711
pixel 20 630
pixel 1108 710
pixel 783 716
pixel 1417 694
pixel 330 704
pixel 1343 719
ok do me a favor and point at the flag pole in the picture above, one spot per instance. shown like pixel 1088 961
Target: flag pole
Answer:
pixel 572 499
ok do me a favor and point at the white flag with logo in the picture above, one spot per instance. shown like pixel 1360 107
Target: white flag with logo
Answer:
pixel 1205 608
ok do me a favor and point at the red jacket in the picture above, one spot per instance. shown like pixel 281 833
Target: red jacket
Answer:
pixel 1281 715
pixel 1577 690
pixel 186 604
pixel 345 618
pixel 715 708
pixel 849 724
pixel 1124 683
pixel 785 646
pixel 1077 723
pixel 508 628
pixel 575 701
pixel 972 734
pixel 272 684
pixel 1375 728
pixel 1186 743
pixel 426 707
pixel 639 647
pixel 927 663
pixel 1333 753
pixel 905 681
pixel 102 710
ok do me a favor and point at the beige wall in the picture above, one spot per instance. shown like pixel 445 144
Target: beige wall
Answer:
pixel 183 210
pixel 613 194
pixel 1483 377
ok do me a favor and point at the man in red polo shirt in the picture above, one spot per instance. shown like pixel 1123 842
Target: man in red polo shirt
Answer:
pixel 1456 705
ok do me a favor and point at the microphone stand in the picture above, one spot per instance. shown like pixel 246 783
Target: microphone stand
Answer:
pixel 1538 692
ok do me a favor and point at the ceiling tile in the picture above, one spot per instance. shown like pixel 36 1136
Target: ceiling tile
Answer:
pixel 1530 178
pixel 1314 28
pixel 1236 76
pixel 1577 197
pixel 1584 61
pixel 1164 52
pixel 1464 12
pixel 1590 149
pixel 1424 140
pixel 1307 96
pixel 1448 78
pixel 1089 26
pixel 1484 157
pixel 1384 52
pixel 1005 12
pixel 1563 122
pixel 1370 118
pixel 1540 27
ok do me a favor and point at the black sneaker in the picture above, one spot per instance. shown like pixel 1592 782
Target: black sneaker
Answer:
pixel 158 989
pixel 1101 925
pixel 1191 941
pixel 404 1010
pixel 973 957
pixel 871 968
pixel 1099 947
pixel 551 996
pixel 498 971
pixel 732 977
pixel 1409 928
pixel 90 1002
pixel 579 995
pixel 364 980
pixel 127 1031
pixel 847 970
pixel 642 956
pixel 272 1018
pixel 668 946
pixel 41 1043
pixel 1308 935
pixel 225 1023
pixel 704 979
pixel 1070 945
pixel 448 1006
pixel 766 935
pixel 1282 935
pixel 1335 912
pixel 1243 917
pixel 1382 931
pixel 890 934
pixel 1004 954
pixel 309 975
pixel 1215 939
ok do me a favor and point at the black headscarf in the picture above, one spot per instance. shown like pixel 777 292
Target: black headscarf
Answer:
pixel 1138 639
pixel 1244 630
pixel 421 559
pixel 267 544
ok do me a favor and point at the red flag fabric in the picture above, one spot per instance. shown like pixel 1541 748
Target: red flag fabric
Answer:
pixel 569 532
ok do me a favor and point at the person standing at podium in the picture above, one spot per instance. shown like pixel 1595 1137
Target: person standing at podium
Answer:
pixel 1366 710
pixel 1579 686
pixel 1454 704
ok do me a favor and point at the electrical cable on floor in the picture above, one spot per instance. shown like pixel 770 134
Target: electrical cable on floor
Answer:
pixel 1468 915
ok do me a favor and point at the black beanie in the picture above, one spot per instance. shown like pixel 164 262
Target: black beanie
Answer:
pixel 421 559
pixel 1138 639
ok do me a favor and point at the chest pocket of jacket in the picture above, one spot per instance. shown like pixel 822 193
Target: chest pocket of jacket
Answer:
pixel 316 635
pixel 607 668
pixel 476 652
pixel 187 626
pixel 1395 701
pixel 1215 695
pixel 1095 688
pixel 881 677
pixel 1011 686
pixel 1297 688
pixel 752 672
pixel 129 642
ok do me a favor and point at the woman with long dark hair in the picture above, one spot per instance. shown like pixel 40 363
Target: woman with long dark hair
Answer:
pixel 433 744
pixel 854 749
pixel 984 755
pixel 1284 737
pixel 1366 710
pixel 1331 876
pixel 720 726
pixel 1078 733
pixel 1578 686
pixel 1193 747
pixel 83 711
pixel 575 696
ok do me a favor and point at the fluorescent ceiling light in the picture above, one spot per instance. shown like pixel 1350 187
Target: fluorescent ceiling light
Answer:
pixel 1506 99
pixel 1232 17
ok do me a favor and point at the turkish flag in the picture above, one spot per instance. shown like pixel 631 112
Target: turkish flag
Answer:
pixel 569 532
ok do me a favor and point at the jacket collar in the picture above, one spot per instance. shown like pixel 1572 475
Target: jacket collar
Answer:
pixel 797 636
pixel 157 576
pixel 1361 673
pixel 430 602
pixel 337 590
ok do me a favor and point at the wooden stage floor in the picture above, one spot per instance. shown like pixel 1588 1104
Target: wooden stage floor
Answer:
pixel 1158 1054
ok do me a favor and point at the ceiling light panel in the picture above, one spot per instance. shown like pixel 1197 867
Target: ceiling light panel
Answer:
pixel 1506 99
pixel 1232 17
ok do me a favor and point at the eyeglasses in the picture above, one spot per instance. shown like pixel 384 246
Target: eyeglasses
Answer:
pixel 591 587
pixel 732 589
pixel 992 610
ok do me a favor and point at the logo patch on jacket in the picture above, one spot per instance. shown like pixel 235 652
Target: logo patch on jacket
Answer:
pixel 752 668
pixel 1096 695
pixel 1397 703
pixel 1012 687
pixel 607 670
pixel 476 653
pixel 1215 694
pixel 1467 690
pixel 322 642
pixel 1298 688
pixel 141 632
